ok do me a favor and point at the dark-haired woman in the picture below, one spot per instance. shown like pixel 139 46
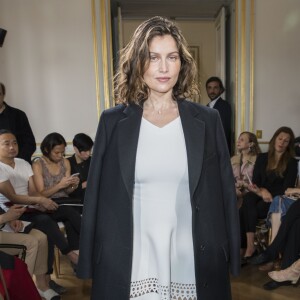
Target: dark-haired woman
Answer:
pixel 160 219
pixel 52 177
pixel 274 172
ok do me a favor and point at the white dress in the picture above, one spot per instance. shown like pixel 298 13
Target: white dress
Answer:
pixel 163 256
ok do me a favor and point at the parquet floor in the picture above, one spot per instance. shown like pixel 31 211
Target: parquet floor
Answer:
pixel 248 286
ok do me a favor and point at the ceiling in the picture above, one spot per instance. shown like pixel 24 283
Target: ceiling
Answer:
pixel 174 9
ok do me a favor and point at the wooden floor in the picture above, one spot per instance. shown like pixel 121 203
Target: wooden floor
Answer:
pixel 248 286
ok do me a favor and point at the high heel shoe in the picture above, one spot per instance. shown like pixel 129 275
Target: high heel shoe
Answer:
pixel 291 273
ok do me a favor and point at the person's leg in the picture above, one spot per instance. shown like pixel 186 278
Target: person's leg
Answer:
pixel 292 247
pixel 42 253
pixel 27 240
pixel 72 220
pixel 250 217
pixel 276 222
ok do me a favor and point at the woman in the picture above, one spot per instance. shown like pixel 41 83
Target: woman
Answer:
pixel 160 215
pixel 243 163
pixel 52 178
pixel 36 247
pixel 274 172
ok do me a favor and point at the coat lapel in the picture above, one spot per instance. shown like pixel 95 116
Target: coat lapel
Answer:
pixel 128 134
pixel 194 133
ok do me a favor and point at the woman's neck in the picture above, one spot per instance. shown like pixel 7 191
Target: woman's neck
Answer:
pixel 160 104
pixel 78 159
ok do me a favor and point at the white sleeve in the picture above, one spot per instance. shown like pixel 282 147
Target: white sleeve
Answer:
pixel 3 175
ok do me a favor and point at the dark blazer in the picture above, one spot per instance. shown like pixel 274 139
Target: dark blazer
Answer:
pixel 107 223
pixel 17 122
pixel 224 109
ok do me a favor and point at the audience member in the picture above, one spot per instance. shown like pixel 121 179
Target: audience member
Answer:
pixel 243 163
pixel 52 172
pixel 286 242
pixel 16 120
pixel 36 248
pixel 214 89
pixel 273 173
pixel 16 183
pixel 80 162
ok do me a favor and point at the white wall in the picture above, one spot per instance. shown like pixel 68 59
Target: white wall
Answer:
pixel 201 34
pixel 277 66
pixel 47 64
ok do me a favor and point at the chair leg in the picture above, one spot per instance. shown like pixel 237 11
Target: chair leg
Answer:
pixel 2 280
pixel 56 262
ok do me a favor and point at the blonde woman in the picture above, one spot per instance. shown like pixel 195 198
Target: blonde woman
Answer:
pixel 243 163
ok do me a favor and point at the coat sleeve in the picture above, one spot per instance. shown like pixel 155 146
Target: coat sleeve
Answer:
pixel 90 209
pixel 229 199
pixel 25 137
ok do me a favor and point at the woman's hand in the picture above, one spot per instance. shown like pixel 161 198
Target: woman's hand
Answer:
pixel 16 225
pixel 266 195
pixel 292 191
pixel 254 189
pixel 65 182
pixel 47 204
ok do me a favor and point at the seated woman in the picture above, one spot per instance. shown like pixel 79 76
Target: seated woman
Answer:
pixel 273 173
pixel 52 172
pixel 80 162
pixel 287 243
pixel 243 163
pixel 36 248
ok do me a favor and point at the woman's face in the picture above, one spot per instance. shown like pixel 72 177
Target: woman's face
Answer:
pixel 281 142
pixel 164 65
pixel 57 153
pixel 243 142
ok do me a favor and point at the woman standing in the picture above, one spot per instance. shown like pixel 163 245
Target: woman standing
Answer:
pixel 160 218
pixel 274 172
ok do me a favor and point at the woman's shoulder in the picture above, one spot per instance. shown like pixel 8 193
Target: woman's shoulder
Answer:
pixel 236 159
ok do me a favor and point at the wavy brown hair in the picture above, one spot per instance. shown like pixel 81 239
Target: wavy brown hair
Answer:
pixel 130 86
pixel 281 165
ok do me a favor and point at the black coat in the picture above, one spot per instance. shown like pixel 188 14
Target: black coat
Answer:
pixel 224 109
pixel 17 122
pixel 107 223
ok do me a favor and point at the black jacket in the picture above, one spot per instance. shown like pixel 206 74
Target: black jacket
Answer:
pixel 17 121
pixel 107 225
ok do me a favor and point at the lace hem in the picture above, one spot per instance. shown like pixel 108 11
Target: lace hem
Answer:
pixel 176 291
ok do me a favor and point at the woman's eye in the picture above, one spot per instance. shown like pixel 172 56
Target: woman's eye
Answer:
pixel 153 58
pixel 173 58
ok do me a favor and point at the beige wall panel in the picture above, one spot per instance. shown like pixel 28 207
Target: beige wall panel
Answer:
pixel 47 64
pixel 277 66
